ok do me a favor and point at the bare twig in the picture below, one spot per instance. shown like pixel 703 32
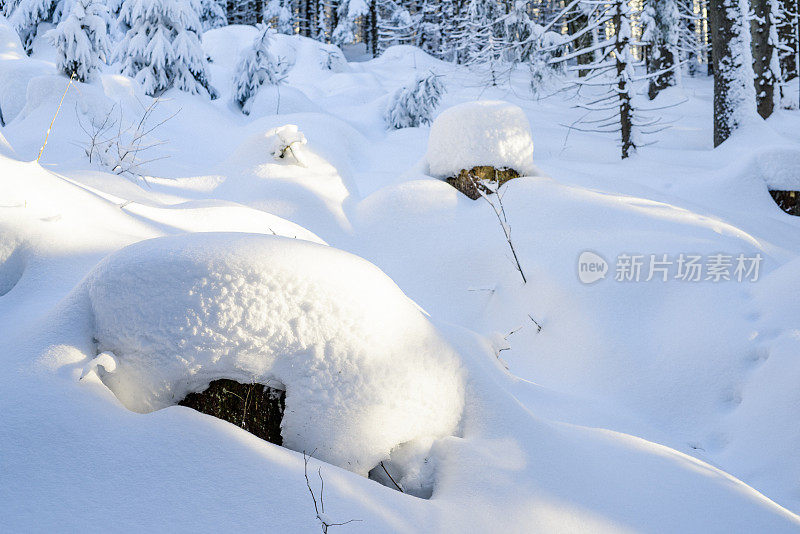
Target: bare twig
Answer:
pixel 319 509
pixel 538 326
pixel 396 485
pixel 47 135
pixel 500 212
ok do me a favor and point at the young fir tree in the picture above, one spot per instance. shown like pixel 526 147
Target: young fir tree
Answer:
pixel 81 40
pixel 480 42
pixel 764 31
pixel 211 14
pixel 7 7
pixel 161 48
pixel 543 54
pixel 661 31
pixel 429 28
pixel 347 12
pixel 449 29
pixel 257 66
pixel 395 24
pixel 518 32
pixel 280 13
pixel 611 71
pixel 734 93
pixel 29 14
pixel 413 105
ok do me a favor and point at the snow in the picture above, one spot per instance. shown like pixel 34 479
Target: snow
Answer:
pixel 490 133
pixel 639 406
pixel 363 370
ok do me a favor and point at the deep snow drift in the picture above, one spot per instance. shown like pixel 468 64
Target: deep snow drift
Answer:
pixel 362 368
pixel 639 406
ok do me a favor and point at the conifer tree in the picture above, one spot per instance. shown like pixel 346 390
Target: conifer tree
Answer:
pixel 29 14
pixel 161 48
pixel 347 12
pixel 661 30
pixel 211 14
pixel 281 14
pixel 413 105
pixel 81 40
pixel 257 66
pixel 429 28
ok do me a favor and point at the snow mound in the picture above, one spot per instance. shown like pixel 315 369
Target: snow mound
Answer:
pixel 364 370
pixel 778 166
pixel 12 261
pixel 493 133
pixel 281 100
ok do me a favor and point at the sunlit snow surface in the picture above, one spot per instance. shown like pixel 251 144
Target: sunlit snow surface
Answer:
pixel 640 406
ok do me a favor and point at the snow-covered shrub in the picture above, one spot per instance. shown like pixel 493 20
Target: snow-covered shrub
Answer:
pixel 414 104
pixel 546 46
pixel 161 48
pixel 333 60
pixel 117 143
pixel 490 133
pixel 285 142
pixel 257 66
pixel 364 370
pixel 81 40
pixel 212 15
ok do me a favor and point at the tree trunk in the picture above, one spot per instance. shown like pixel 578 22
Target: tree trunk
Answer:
pixel 734 93
pixel 577 23
pixel 621 54
pixel 789 35
pixel 661 60
pixel 373 27
pixel 760 28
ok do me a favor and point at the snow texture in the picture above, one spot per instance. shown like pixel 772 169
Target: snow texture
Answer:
pixel 364 370
pixel 491 133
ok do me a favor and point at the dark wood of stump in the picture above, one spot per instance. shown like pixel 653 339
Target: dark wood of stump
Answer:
pixel 470 181
pixel 253 407
pixel 788 201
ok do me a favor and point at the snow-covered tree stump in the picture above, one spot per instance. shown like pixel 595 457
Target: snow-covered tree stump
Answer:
pixel 470 181
pixel 788 201
pixel 253 407
pixel 480 141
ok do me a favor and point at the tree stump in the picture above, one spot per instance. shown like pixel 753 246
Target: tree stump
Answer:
pixel 469 181
pixel 788 201
pixel 253 407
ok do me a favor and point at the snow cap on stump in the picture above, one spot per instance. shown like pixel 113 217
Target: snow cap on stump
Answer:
pixel 485 133
pixel 363 368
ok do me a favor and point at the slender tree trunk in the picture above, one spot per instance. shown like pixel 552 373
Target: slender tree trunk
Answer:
pixel 373 27
pixel 622 54
pixel 577 23
pixel 303 16
pixel 763 50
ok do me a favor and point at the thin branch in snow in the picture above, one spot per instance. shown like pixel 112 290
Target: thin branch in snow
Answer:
pixel 319 509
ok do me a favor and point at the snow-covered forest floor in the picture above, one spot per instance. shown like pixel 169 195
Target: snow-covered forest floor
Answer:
pixel 637 406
